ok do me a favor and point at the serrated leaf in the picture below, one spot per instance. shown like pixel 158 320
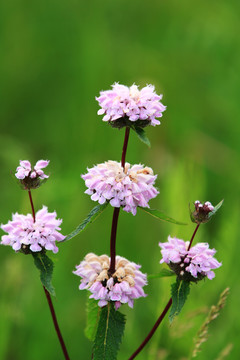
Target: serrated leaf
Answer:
pixel 93 314
pixel 216 208
pixel 109 334
pixel 45 266
pixel 180 290
pixel 162 273
pixel 92 216
pixel 161 216
pixel 141 135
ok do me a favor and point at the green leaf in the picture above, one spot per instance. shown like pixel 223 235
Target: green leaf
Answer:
pixel 45 265
pixel 216 208
pixel 93 314
pixel 180 290
pixel 109 334
pixel 141 135
pixel 161 216
pixel 92 216
pixel 163 273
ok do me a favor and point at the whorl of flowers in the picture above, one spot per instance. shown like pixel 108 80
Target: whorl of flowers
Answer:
pixel 25 234
pixel 123 286
pixel 189 265
pixel 123 104
pixel 25 169
pixel 29 177
pixel 129 187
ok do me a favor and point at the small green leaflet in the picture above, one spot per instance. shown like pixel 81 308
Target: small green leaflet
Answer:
pixel 92 216
pixel 109 334
pixel 93 314
pixel 180 290
pixel 141 135
pixel 216 208
pixel 161 216
pixel 45 266
pixel 162 273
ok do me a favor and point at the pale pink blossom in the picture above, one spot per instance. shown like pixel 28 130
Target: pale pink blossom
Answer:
pixel 129 187
pixel 24 233
pixel 198 262
pixel 138 106
pixel 121 287
pixel 25 170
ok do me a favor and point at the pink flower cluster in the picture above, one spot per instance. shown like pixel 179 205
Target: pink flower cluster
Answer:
pixel 199 261
pixel 122 287
pixel 129 187
pixel 25 170
pixel 132 103
pixel 24 233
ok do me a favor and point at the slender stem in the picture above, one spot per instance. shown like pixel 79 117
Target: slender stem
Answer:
pixel 193 235
pixel 113 239
pixel 157 323
pixel 161 317
pixel 49 300
pixel 125 144
pixel 60 338
pixel 31 202
pixel 117 210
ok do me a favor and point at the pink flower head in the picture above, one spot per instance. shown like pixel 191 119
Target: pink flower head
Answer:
pixel 129 187
pixel 122 287
pixel 25 234
pixel 30 178
pixel 189 265
pixel 201 214
pixel 123 106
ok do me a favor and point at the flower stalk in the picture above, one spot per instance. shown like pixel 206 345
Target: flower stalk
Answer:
pixel 117 210
pixel 49 300
pixel 161 317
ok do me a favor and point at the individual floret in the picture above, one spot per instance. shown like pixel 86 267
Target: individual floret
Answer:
pixel 121 287
pixel 124 106
pixel 129 187
pixel 26 235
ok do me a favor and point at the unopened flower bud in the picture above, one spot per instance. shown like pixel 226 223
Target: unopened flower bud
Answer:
pixel 201 212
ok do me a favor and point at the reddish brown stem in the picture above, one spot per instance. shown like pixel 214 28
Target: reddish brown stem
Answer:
pixel 193 235
pixel 60 338
pixel 161 317
pixel 31 202
pixel 113 239
pixel 117 210
pixel 158 322
pixel 125 144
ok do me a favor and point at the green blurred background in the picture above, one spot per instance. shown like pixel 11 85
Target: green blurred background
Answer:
pixel 55 58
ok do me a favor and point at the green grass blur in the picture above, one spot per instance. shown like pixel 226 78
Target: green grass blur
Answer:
pixel 55 58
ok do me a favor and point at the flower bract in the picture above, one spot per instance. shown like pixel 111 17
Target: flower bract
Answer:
pixel 121 287
pixel 25 234
pixel 190 265
pixel 123 106
pixel 129 187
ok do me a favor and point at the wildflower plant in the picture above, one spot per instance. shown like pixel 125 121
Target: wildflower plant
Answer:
pixel 110 279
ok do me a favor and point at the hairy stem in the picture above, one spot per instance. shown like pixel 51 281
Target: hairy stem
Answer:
pixel 117 210
pixel 161 317
pixel 31 202
pixel 55 322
